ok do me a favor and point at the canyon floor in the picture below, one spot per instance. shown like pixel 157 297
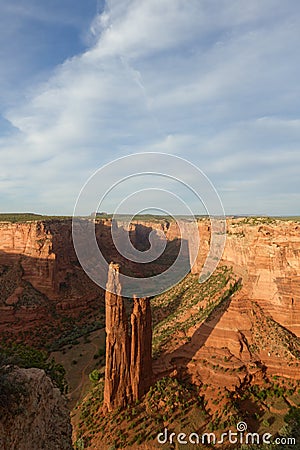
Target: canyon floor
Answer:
pixel 79 361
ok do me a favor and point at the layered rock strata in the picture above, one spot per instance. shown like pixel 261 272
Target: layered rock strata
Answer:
pixel 128 370
pixel 41 281
pixel 117 389
pixel 265 254
pixel 267 257
pixel 141 348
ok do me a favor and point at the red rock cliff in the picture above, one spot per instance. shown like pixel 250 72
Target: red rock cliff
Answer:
pixel 34 242
pixel 267 257
pixel 41 281
pixel 257 330
pixel 264 255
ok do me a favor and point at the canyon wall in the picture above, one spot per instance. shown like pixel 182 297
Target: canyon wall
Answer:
pixel 267 257
pixel 41 281
pixel 256 331
pixel 42 284
pixel 35 241
pixel 264 255
pixel 45 252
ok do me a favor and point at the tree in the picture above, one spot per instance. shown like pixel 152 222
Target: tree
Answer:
pixel 94 376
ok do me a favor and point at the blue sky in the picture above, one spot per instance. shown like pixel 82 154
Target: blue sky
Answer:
pixel 213 81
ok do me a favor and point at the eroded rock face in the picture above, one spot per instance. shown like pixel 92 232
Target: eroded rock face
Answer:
pixel 43 421
pixel 141 348
pixel 34 242
pixel 117 390
pixel 41 279
pixel 258 331
pixel 262 321
pixel 40 276
pixel 267 257
pixel 128 370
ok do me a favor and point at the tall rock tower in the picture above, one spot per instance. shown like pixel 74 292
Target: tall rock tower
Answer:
pixel 128 370
pixel 141 347
pixel 117 389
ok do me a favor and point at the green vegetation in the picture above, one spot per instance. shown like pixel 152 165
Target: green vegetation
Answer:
pixel 70 337
pixel 26 357
pixel 292 218
pixel 176 396
pixel 136 218
pixel 290 431
pixel 292 428
pixel 79 444
pixel 199 301
pixel 257 220
pixel 28 217
pixel 94 376
pixel 268 220
pixel 168 401
pixel 32 217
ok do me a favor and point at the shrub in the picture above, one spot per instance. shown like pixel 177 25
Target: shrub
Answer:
pixel 26 357
pixel 94 376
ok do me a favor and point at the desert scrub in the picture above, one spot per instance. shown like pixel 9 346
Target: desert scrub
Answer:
pixel 94 376
pixel 94 401
pixel 199 300
pixel 169 395
pixel 26 357
pixel 71 336
pixel 29 217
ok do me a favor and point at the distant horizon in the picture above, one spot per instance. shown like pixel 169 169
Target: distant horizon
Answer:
pixel 145 214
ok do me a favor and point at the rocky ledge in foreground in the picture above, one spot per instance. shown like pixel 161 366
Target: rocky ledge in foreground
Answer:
pixel 38 418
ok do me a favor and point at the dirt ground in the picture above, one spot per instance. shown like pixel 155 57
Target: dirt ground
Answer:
pixel 78 361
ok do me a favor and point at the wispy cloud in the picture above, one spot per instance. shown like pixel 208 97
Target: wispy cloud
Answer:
pixel 214 81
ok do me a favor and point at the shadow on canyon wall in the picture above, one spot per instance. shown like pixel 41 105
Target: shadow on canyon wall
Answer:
pixel 43 285
pixel 139 237
pixel 39 303
pixel 50 257
pixel 180 357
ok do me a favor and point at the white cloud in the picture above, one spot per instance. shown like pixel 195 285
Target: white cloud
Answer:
pixel 214 81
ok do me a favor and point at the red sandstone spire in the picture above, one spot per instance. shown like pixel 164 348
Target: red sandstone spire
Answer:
pixel 141 347
pixel 117 390
pixel 128 370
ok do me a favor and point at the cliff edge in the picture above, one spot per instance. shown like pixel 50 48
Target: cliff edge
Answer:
pixel 41 420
